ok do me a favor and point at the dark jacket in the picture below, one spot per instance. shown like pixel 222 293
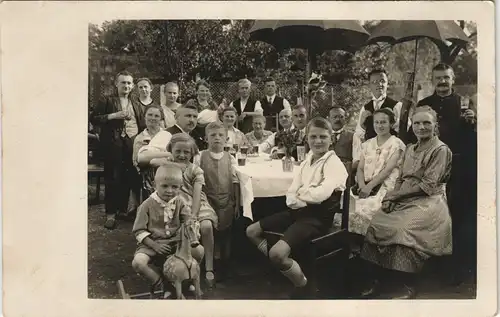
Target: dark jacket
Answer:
pixel 110 130
pixel 458 134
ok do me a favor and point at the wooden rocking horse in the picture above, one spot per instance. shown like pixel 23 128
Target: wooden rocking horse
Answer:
pixel 182 266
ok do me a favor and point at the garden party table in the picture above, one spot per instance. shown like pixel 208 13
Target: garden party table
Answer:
pixel 262 177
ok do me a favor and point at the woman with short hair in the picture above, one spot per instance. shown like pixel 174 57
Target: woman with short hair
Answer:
pixel 376 173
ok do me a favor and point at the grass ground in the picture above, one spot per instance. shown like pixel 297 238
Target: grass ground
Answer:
pixel 110 255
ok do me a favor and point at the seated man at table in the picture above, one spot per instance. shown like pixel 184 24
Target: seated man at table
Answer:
pixel 310 201
pixel 299 119
pixel 346 144
pixel 285 119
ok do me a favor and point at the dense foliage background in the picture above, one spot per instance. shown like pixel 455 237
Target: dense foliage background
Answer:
pixel 219 51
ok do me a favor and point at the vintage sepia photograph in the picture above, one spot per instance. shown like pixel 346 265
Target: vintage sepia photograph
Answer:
pixel 282 159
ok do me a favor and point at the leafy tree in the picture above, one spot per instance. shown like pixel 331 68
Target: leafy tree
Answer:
pixel 220 51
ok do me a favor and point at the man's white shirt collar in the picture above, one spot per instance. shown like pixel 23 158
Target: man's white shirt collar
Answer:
pixel 382 97
pixel 182 130
pixel 271 98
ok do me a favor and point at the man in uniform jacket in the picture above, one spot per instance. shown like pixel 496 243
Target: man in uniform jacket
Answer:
pixel 119 121
pixel 246 106
pixel 378 87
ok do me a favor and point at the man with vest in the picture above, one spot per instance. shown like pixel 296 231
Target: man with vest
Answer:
pixel 378 85
pixel 272 104
pixel 457 128
pixel 346 145
pixel 118 118
pixel 246 106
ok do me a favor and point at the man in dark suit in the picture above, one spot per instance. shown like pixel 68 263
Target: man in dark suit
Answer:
pixel 272 104
pixel 457 128
pixel 186 118
pixel 378 83
pixel 246 106
pixel 346 144
pixel 118 118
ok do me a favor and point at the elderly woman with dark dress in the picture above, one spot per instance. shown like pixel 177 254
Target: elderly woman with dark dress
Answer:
pixel 414 223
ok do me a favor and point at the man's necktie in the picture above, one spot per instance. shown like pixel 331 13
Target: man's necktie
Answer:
pixel 335 137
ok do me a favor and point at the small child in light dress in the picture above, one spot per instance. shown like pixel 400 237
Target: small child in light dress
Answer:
pixel 221 187
pixel 157 223
pixel 183 149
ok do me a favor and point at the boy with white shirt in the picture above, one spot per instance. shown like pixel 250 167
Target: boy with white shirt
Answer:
pixel 312 199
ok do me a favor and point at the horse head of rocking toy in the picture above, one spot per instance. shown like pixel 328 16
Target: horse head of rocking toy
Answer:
pixel 189 232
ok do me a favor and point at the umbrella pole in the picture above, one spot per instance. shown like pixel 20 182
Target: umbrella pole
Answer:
pixel 408 103
pixel 414 66
pixel 311 64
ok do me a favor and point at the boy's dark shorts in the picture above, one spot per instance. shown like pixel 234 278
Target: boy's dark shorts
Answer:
pixel 299 225
pixel 155 257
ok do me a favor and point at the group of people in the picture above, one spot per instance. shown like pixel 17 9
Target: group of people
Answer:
pixel 399 215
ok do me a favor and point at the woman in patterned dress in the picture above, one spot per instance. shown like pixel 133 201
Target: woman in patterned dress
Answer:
pixel 414 223
pixel 376 174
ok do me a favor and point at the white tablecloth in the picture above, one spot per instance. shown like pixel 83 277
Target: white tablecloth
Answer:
pixel 261 177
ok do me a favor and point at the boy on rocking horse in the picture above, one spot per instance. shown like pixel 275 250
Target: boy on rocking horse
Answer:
pixel 157 225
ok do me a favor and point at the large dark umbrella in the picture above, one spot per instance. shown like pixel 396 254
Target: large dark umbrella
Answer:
pixel 446 34
pixel 316 36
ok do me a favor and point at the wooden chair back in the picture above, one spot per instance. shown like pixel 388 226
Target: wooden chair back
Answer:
pixel 272 123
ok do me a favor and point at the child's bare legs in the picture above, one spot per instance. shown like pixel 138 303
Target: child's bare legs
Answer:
pixel 280 257
pixel 254 234
pixel 140 263
pixel 207 238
